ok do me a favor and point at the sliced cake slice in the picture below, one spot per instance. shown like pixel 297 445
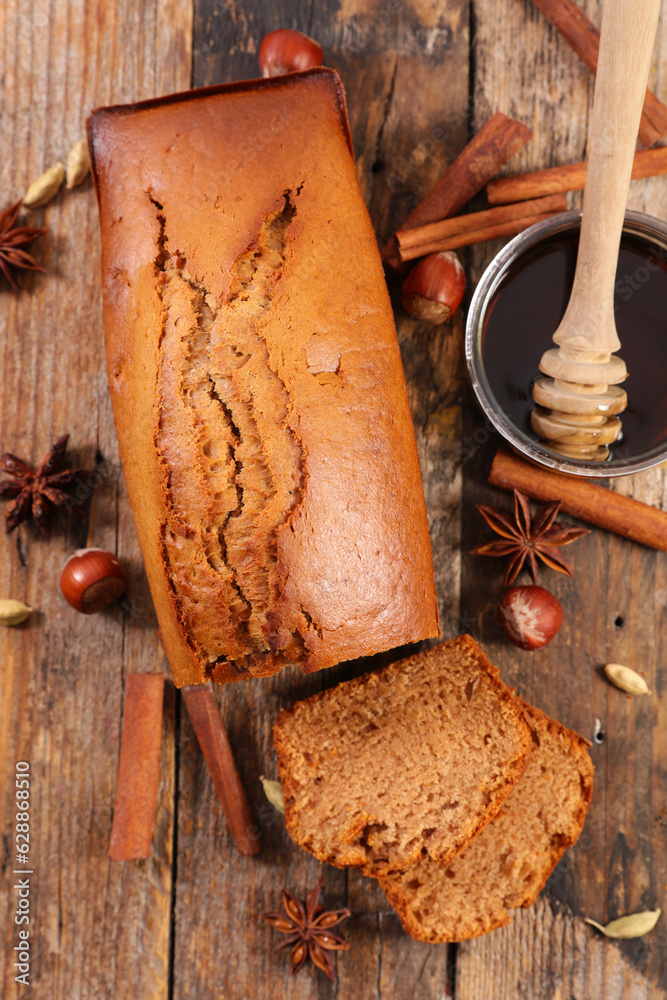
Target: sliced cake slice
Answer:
pixel 409 762
pixel 509 863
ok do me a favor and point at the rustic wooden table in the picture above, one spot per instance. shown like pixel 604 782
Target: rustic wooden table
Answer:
pixel 421 76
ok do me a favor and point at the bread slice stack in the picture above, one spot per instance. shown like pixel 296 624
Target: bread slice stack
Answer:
pixel 409 762
pixel 506 866
pixel 431 776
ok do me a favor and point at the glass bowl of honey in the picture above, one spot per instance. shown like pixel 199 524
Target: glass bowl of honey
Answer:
pixel 516 309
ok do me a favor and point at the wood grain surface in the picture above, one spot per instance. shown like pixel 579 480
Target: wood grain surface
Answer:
pixel 99 928
pixel 421 76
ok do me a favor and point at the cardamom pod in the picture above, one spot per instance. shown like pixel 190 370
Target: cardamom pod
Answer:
pixel 274 793
pixel 633 925
pixel 45 187
pixel 13 612
pixel 625 679
pixel 78 164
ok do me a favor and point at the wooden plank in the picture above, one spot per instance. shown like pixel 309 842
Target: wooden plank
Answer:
pixel 614 611
pixel 397 61
pixel 406 68
pixel 61 674
pixel 550 954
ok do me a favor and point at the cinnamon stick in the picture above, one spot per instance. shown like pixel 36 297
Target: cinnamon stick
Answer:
pixel 408 238
pixel 139 769
pixel 477 227
pixel 511 228
pixel 582 35
pixel 495 143
pixel 214 742
pixel 569 177
pixel 583 499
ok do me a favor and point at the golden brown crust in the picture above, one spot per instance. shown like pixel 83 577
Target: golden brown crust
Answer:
pixel 468 919
pixel 363 691
pixel 257 386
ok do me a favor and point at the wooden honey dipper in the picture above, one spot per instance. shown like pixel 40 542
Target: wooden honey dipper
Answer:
pixel 579 400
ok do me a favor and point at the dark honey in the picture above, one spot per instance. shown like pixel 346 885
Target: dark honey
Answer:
pixel 525 313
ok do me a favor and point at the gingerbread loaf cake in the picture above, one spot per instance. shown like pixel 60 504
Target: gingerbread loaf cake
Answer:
pixel 507 865
pixel 406 763
pixel 256 380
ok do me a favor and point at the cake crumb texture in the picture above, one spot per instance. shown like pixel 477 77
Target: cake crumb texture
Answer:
pixel 507 865
pixel 407 763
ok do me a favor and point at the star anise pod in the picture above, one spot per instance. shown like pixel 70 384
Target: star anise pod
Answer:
pixel 527 539
pixel 13 241
pixel 36 494
pixel 309 928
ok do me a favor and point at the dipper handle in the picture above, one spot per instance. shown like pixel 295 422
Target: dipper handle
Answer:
pixel 578 401
pixel 626 43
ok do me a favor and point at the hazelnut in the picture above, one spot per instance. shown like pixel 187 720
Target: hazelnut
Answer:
pixel 530 616
pixel 434 288
pixel 285 51
pixel 91 579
